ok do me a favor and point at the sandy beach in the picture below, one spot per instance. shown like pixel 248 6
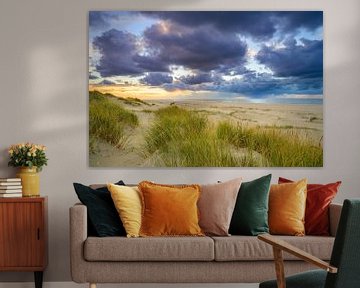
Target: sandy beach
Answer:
pixel 306 120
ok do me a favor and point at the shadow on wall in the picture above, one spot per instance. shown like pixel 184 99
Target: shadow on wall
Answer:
pixel 45 60
pixel 46 87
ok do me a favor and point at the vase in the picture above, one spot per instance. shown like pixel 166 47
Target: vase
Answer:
pixel 30 181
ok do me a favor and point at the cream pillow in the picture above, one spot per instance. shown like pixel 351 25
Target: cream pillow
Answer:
pixel 127 201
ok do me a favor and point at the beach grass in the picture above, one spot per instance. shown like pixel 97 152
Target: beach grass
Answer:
pixel 133 101
pixel 108 121
pixel 178 136
pixel 186 139
pixel 278 148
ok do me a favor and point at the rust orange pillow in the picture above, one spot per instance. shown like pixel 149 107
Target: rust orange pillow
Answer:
pixel 287 204
pixel 319 197
pixel 169 210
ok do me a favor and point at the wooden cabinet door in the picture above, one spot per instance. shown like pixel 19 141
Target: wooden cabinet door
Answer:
pixel 21 235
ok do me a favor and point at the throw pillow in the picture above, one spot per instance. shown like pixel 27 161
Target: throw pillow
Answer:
pixel 287 204
pixel 319 197
pixel 102 214
pixel 169 210
pixel 250 215
pixel 216 206
pixel 127 201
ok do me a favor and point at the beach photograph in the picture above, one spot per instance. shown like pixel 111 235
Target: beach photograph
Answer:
pixel 205 89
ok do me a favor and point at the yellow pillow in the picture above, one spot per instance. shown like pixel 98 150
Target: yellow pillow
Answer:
pixel 287 204
pixel 127 201
pixel 169 210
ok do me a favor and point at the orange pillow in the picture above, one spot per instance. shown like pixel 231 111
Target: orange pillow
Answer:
pixel 287 204
pixel 169 210
pixel 318 200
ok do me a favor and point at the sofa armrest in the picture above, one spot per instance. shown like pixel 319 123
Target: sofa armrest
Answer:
pixel 334 216
pixel 78 235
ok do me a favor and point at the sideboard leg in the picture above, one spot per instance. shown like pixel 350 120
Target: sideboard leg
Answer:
pixel 92 285
pixel 38 279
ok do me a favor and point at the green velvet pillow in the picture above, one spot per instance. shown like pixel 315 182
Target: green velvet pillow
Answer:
pixel 250 216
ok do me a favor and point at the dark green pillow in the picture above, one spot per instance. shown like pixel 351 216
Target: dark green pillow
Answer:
pixel 103 218
pixel 250 216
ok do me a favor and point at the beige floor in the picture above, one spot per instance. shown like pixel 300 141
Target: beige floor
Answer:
pixel 74 285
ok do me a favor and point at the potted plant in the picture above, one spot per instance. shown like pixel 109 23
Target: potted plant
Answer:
pixel 30 158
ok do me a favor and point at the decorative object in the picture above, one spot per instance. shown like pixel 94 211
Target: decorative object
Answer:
pixel 205 88
pixel 318 199
pixel 250 215
pixel 287 204
pixel 23 236
pixel 30 158
pixel 102 215
pixel 30 181
pixel 10 187
pixel 216 206
pixel 127 201
pixel 169 210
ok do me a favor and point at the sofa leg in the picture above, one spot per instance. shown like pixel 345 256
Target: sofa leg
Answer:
pixel 92 285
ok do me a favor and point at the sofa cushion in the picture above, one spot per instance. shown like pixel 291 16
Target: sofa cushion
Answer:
pixel 318 199
pixel 244 248
pixel 250 216
pixel 287 204
pixel 216 206
pixel 102 216
pixel 127 201
pixel 169 210
pixel 149 249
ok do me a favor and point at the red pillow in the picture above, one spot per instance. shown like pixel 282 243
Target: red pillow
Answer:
pixel 319 197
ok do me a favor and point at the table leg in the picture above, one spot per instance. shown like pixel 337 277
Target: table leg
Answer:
pixel 38 279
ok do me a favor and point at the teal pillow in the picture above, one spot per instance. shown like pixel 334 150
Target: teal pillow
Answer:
pixel 250 216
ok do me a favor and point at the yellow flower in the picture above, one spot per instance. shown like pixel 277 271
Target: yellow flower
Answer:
pixel 28 154
pixel 11 151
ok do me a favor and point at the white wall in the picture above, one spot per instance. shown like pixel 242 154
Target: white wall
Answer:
pixel 43 90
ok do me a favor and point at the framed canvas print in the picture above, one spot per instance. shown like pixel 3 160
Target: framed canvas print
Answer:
pixel 205 89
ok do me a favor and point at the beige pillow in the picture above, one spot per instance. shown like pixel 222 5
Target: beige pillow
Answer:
pixel 216 205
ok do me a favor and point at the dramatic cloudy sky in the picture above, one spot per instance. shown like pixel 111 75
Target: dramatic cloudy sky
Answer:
pixel 258 56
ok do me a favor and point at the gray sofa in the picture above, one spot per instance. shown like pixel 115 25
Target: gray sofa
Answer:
pixel 234 259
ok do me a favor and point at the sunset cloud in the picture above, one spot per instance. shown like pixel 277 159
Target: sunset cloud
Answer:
pixel 256 54
pixel 156 79
pixel 303 59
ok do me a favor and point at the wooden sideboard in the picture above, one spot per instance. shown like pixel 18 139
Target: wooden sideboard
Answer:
pixel 23 235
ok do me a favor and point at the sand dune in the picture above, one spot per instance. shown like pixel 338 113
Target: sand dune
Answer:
pixel 306 119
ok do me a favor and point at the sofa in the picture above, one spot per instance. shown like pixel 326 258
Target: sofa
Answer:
pixel 233 259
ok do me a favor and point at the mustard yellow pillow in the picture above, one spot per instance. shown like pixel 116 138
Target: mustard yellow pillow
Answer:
pixel 287 204
pixel 127 201
pixel 169 210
